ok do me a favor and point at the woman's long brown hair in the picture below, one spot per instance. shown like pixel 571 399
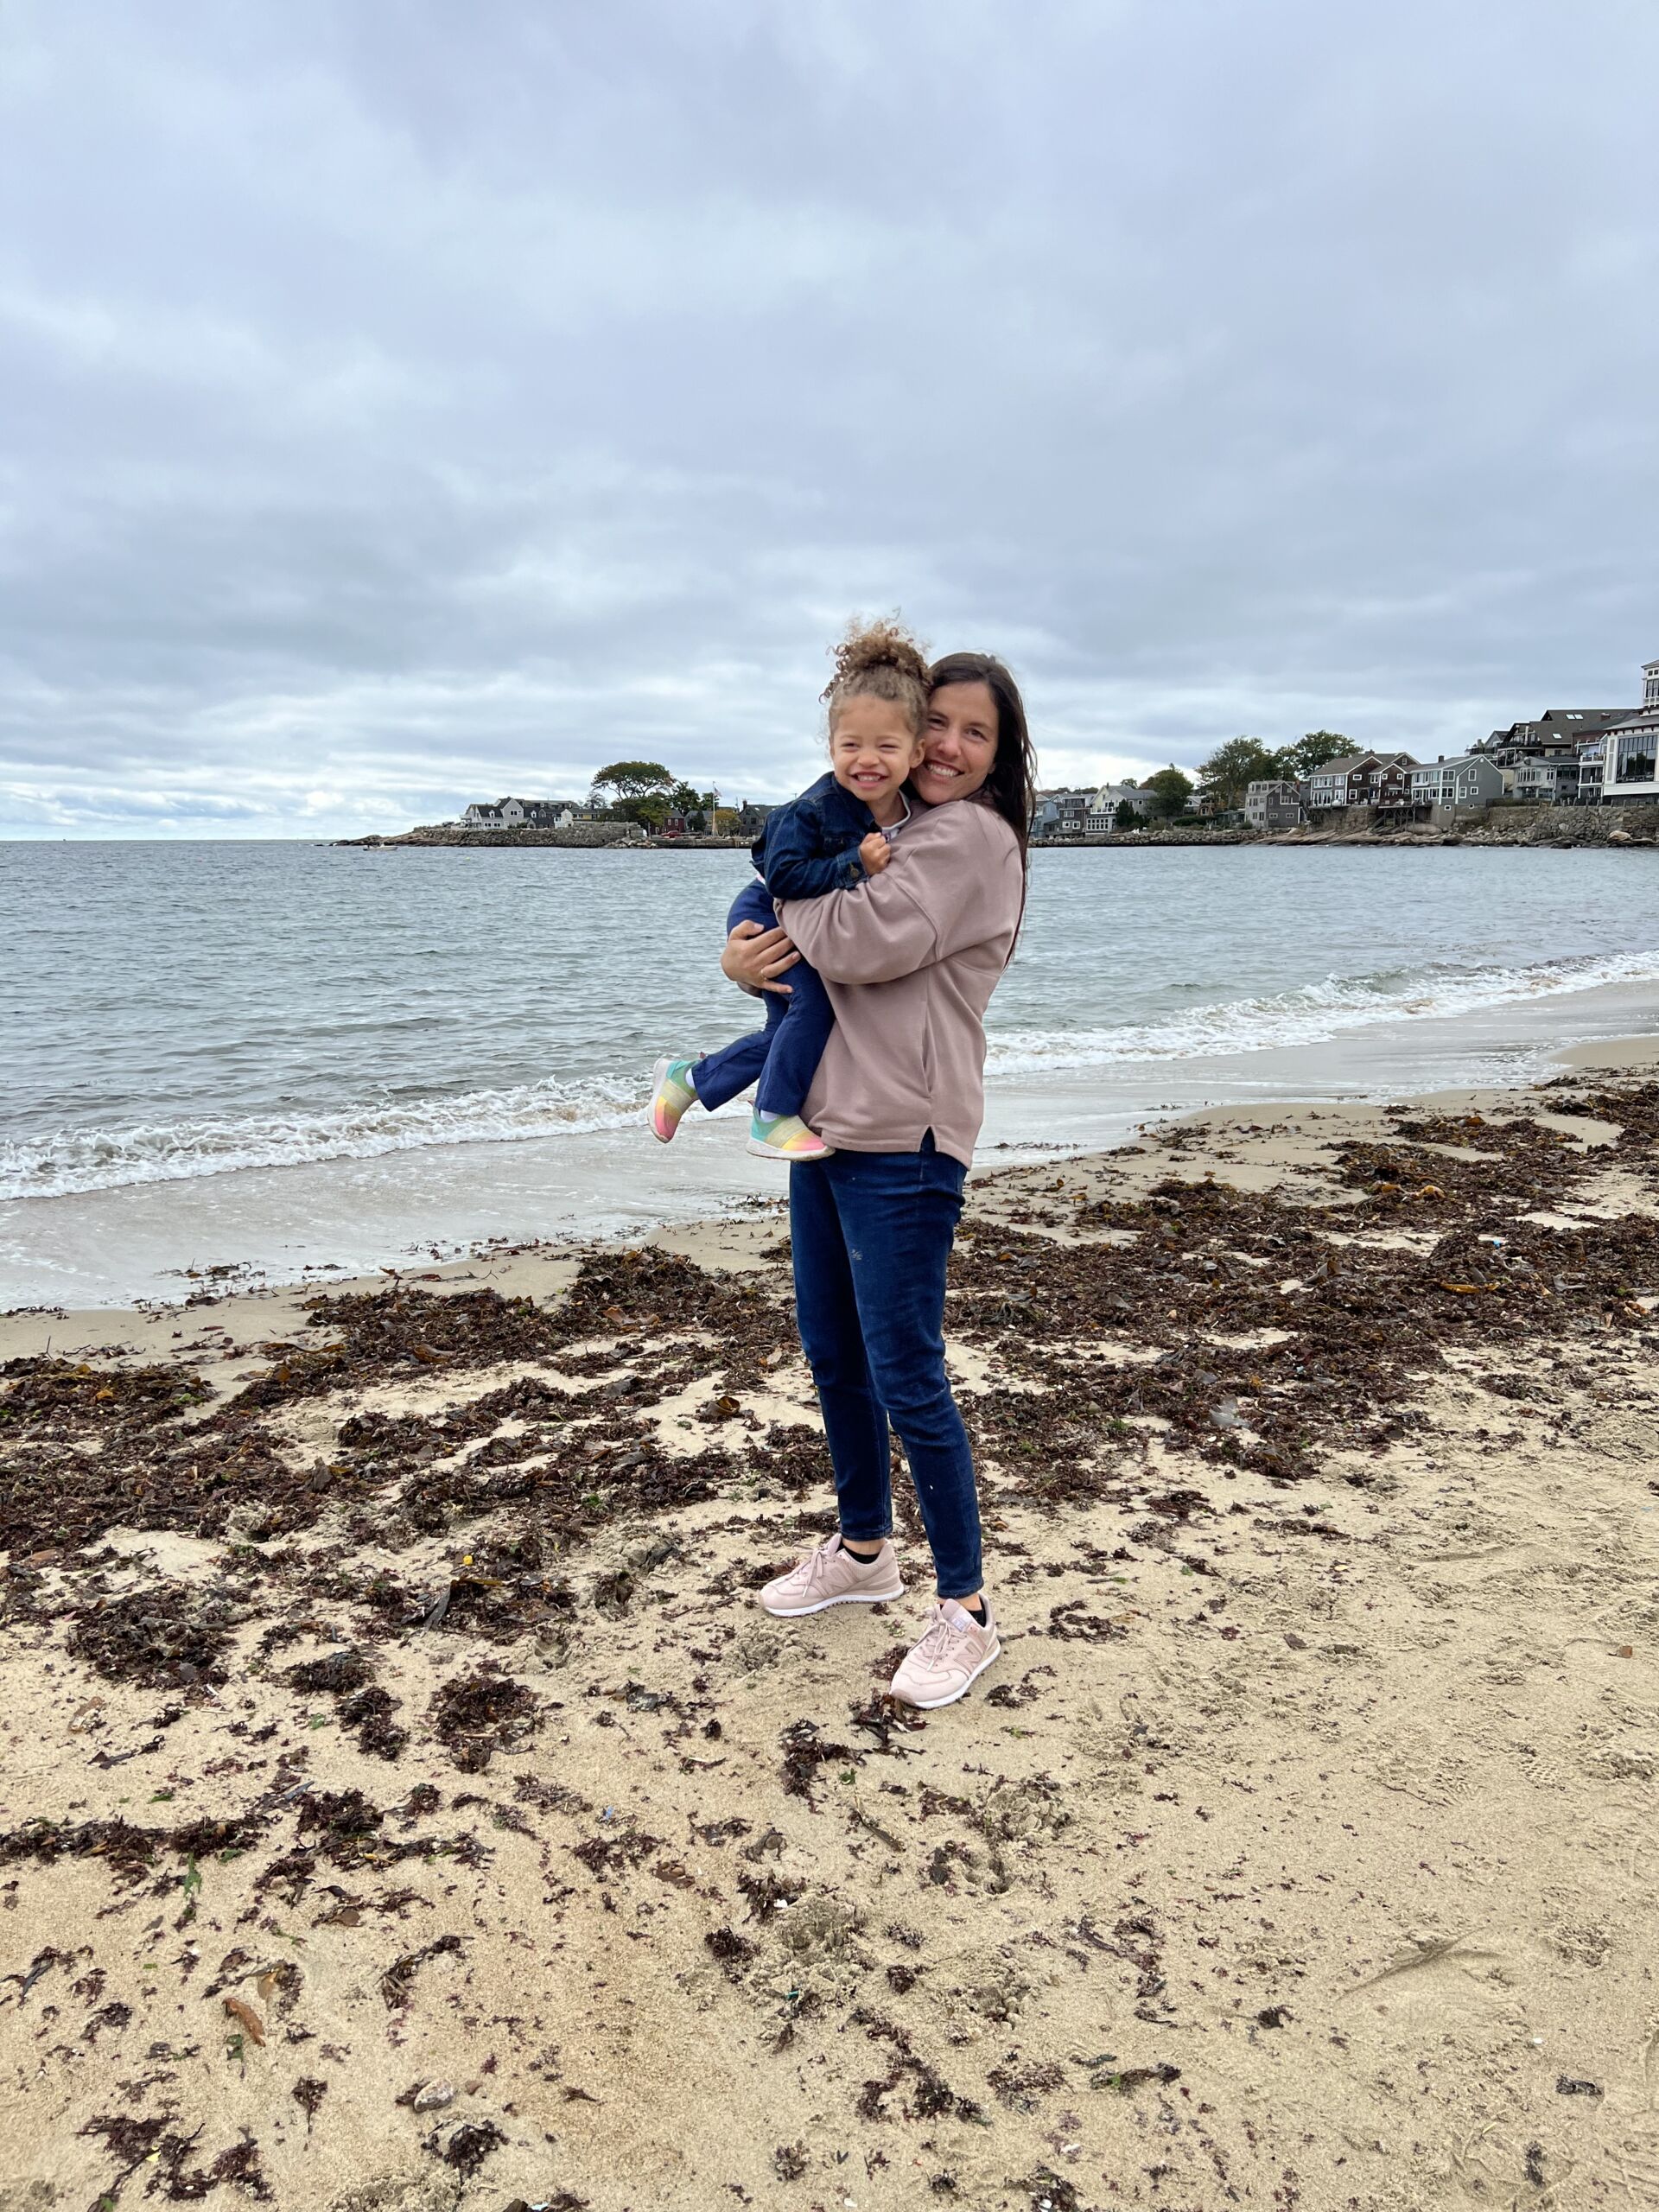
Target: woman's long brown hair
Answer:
pixel 1012 780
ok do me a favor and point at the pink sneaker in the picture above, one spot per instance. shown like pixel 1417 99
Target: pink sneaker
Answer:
pixel 831 1576
pixel 950 1659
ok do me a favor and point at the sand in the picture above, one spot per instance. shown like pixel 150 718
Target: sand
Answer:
pixel 1298 1851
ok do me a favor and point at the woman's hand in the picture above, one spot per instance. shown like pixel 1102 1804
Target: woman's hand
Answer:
pixel 754 958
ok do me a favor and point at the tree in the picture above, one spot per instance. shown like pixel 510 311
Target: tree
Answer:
pixel 1312 752
pixel 1169 792
pixel 1231 768
pixel 626 779
pixel 1126 816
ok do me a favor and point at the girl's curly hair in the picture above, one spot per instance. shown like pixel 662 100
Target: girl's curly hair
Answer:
pixel 880 660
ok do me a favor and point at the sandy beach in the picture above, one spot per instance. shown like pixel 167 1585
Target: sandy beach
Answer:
pixel 406 1807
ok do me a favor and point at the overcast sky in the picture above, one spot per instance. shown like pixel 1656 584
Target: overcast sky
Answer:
pixel 403 402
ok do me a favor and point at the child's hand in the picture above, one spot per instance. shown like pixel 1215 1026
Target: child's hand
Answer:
pixel 876 852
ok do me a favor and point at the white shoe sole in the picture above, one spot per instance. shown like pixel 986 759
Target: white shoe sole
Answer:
pixel 762 1150
pixel 932 1704
pixel 659 1077
pixel 847 1598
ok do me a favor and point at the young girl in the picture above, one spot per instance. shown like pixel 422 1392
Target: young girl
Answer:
pixel 834 837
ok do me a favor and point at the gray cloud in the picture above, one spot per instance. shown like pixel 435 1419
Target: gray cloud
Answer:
pixel 401 405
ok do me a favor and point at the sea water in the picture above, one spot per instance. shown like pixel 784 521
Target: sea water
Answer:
pixel 287 1056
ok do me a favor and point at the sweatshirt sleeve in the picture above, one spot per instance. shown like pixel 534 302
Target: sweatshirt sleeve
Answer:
pixel 810 875
pixel 958 887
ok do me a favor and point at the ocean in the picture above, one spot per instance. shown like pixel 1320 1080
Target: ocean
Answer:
pixel 284 1059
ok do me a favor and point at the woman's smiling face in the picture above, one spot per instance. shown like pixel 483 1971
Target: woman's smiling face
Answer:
pixel 959 743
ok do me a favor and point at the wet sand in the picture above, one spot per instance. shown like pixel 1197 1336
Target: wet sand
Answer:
pixel 405 1804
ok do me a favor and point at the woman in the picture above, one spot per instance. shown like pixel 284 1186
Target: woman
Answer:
pixel 910 960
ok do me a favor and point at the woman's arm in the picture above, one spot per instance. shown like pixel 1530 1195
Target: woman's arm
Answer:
pixel 754 958
pixel 954 881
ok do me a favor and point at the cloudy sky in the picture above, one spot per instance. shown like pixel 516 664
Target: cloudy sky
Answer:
pixel 403 402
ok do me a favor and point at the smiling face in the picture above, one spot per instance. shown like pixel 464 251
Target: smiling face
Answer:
pixel 871 749
pixel 959 743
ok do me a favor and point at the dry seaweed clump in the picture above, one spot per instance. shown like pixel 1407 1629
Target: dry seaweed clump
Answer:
pixel 376 1333
pixel 483 1713
pixel 163 1637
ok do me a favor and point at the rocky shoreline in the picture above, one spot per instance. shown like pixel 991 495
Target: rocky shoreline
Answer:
pixel 1555 827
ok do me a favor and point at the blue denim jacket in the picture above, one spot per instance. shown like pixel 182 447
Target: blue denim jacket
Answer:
pixel 811 846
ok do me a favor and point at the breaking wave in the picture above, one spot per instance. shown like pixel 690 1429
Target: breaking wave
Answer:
pixel 64 1162
pixel 70 1160
pixel 1311 1013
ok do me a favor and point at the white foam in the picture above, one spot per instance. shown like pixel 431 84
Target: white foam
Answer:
pixel 67 1161
pixel 1311 1013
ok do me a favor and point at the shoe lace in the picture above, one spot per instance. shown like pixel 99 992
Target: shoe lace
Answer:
pixel 942 1633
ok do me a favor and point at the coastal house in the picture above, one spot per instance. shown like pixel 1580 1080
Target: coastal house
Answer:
pixel 1060 814
pixel 1470 779
pixel 527 814
pixel 749 820
pixel 1359 779
pixel 1563 757
pixel 1552 780
pixel 1273 805
pixel 1630 761
pixel 1103 806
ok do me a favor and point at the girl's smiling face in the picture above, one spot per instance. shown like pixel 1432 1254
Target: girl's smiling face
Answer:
pixel 958 744
pixel 872 749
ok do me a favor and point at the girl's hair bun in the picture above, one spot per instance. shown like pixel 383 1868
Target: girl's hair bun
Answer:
pixel 881 660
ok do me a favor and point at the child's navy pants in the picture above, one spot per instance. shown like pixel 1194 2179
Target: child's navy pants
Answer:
pixel 785 1055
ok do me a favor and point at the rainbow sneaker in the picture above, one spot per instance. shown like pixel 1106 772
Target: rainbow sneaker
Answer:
pixel 785 1136
pixel 673 1091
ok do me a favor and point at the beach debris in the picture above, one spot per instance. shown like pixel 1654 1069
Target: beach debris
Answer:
pixel 1567 2086
pixel 309 2093
pixel 433 2096
pixel 732 1953
pixel 164 1636
pixel 464 2145
pixel 397 1982
pixel 155 2142
pixel 806 1749
pixel 482 1713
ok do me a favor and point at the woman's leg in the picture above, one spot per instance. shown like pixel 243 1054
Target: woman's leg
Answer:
pixel 826 1312
pixel 897 1214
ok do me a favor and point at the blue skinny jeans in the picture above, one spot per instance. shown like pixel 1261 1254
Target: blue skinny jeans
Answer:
pixel 871 1233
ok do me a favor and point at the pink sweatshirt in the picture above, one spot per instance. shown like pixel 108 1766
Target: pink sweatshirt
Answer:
pixel 910 960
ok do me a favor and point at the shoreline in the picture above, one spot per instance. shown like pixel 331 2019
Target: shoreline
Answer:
pixel 396 1758
pixel 343 1218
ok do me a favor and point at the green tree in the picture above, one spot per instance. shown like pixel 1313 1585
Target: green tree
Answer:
pixel 635 779
pixel 1232 767
pixel 1126 818
pixel 1312 752
pixel 1169 791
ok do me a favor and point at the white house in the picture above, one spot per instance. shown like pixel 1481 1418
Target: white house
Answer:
pixel 1102 807
pixel 1630 764
pixel 524 813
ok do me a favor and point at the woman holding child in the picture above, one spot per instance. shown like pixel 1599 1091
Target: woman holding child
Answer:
pixel 925 817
